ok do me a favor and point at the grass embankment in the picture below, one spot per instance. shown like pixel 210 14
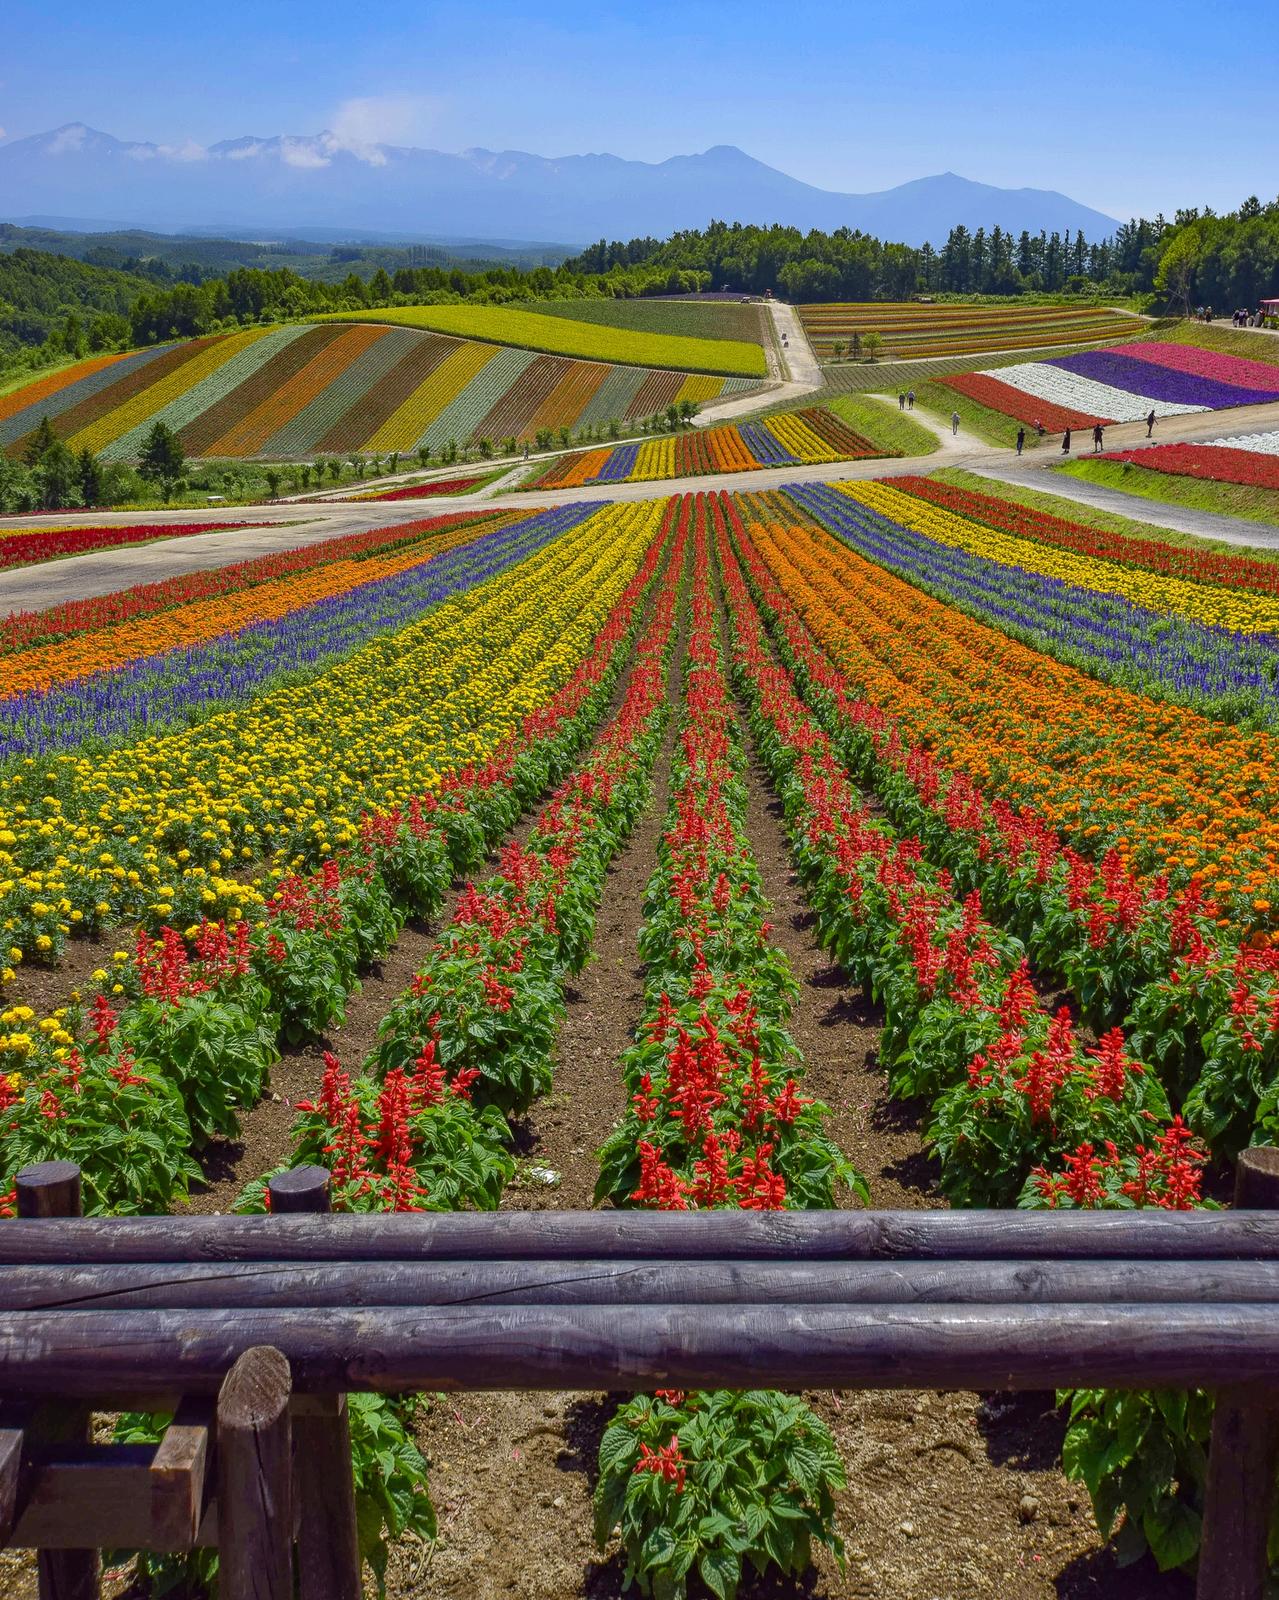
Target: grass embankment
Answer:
pixel 1201 494
pixel 689 319
pixel 1093 517
pixel 891 430
pixel 559 336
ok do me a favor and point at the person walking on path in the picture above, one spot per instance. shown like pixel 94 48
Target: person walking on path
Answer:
pixel 954 424
pixel 1021 439
pixel 1039 428
pixel 910 399
pixel 1065 443
pixel 1097 437
pixel 901 401
pixel 1150 422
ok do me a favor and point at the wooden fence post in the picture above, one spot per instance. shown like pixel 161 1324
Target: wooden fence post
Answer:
pixel 1245 1444
pixel 328 1539
pixel 255 1478
pixel 52 1189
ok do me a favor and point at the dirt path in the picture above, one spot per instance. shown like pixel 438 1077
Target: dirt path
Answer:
pixel 950 1495
pixel 512 1474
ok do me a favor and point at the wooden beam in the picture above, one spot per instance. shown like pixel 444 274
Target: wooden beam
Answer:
pixel 329 1566
pixel 48 1195
pixel 397 1349
pixel 306 1285
pixel 574 1235
pixel 12 1446
pixel 1244 1451
pixel 255 1477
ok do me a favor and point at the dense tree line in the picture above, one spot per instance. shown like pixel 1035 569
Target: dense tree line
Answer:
pixel 52 306
pixel 64 305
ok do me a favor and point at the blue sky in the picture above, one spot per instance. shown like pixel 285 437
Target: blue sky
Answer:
pixel 1127 107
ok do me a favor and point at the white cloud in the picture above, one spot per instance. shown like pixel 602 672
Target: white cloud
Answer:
pixel 67 140
pixel 301 153
pixel 362 124
pixel 245 152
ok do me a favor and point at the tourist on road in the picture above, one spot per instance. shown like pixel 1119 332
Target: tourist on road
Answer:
pixel 954 424
pixel 1096 437
pixel 901 401
pixel 910 399
pixel 1065 443
pixel 1039 428
pixel 1150 422
pixel 1021 439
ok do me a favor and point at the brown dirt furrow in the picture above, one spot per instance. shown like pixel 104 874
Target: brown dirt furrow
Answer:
pixel 356 426
pixel 953 1495
pixel 511 412
pixel 655 393
pixel 512 1474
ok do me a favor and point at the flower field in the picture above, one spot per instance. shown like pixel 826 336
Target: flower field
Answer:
pixel 880 781
pixel 306 390
pixel 20 549
pixel 1121 384
pixel 910 330
pixel 786 440
pixel 1251 459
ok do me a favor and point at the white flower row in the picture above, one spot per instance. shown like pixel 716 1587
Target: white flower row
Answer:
pixel 1264 444
pixel 1060 387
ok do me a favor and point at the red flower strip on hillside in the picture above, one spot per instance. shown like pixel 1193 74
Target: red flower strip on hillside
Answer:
pixel 422 491
pixel 1214 463
pixel 22 628
pixel 1016 404
pixel 1149 555
pixel 22 549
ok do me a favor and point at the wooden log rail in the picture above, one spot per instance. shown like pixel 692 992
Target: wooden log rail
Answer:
pixel 253 1330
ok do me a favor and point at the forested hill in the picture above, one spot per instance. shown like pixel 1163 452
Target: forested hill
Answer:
pixel 51 300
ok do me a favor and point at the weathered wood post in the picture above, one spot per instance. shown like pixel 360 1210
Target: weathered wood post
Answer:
pixel 52 1189
pixel 255 1478
pixel 328 1542
pixel 1245 1444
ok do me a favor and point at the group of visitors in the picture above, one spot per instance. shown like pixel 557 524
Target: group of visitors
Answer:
pixel 1249 319
pixel 906 401
pixel 1098 434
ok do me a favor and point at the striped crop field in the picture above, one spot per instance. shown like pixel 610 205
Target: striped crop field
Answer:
pixel 308 389
pixel 562 336
pixel 787 439
pixel 910 330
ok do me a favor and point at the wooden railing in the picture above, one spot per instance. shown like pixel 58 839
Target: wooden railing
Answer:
pixel 252 1330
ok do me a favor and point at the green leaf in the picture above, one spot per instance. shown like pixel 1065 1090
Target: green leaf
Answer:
pixel 721 1572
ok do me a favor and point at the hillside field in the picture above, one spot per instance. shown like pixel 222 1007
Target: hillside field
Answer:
pixel 306 389
pixel 557 335
pixel 687 317
pixel 909 329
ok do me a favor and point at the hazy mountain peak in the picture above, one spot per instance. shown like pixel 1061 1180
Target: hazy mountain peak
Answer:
pixel 322 180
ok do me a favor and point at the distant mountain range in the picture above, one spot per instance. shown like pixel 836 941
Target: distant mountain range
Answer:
pixel 316 185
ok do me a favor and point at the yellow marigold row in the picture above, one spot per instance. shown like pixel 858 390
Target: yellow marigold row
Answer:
pixel 152 829
pixel 1203 602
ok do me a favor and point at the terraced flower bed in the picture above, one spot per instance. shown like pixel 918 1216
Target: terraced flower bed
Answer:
pixel 910 330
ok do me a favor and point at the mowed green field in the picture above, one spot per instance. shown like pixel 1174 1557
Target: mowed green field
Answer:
pixel 686 318
pixel 560 336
